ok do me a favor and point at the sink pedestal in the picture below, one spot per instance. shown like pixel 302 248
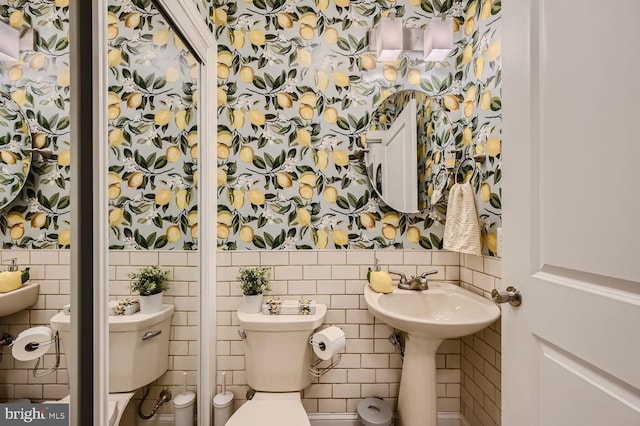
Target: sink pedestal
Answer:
pixel 417 395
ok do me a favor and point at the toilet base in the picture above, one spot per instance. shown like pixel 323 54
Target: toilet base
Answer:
pixel 116 404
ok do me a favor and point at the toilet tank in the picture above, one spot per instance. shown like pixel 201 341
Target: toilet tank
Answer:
pixel 138 347
pixel 277 350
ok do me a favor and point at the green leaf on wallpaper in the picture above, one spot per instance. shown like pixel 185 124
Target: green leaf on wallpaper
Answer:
pixel 497 176
pixel 435 240
pixel 160 242
pixel 353 200
pixel 259 82
pixel 259 242
pixel 342 203
pixel 496 104
pixel 342 123
pixel 494 200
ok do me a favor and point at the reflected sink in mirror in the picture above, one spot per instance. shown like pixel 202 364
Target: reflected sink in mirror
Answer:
pixel 17 300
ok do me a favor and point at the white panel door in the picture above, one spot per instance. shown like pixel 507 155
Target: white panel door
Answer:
pixel 571 230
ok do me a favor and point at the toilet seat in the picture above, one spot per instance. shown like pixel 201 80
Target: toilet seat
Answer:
pixel 271 409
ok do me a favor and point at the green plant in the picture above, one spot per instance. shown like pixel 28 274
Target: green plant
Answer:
pixel 254 280
pixel 149 280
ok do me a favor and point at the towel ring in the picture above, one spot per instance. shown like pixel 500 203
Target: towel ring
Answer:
pixel 478 158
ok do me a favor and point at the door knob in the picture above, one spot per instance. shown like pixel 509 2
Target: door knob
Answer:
pixel 511 295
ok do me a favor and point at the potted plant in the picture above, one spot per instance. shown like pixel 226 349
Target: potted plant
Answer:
pixel 150 282
pixel 253 282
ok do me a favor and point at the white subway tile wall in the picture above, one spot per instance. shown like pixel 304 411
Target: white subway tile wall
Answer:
pixel 52 271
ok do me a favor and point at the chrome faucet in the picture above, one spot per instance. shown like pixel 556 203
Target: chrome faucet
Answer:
pixel 415 283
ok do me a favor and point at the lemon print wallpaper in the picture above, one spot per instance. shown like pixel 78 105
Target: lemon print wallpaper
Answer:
pixel 297 87
pixel 152 130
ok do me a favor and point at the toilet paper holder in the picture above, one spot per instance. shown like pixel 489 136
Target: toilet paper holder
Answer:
pixel 32 346
pixel 317 371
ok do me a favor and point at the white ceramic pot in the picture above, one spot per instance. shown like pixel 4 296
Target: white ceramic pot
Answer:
pixel 252 304
pixel 151 304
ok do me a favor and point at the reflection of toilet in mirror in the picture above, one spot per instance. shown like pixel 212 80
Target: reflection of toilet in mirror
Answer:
pixel 138 353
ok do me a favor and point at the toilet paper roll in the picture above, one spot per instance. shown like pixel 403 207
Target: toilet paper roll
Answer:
pixel 328 342
pixel 32 343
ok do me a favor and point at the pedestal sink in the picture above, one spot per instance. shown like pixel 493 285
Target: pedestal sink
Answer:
pixel 444 311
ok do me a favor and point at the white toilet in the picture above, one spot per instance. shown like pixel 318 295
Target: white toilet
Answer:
pixel 138 353
pixel 277 361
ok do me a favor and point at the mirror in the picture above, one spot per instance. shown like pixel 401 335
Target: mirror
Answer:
pixel 397 149
pixel 15 149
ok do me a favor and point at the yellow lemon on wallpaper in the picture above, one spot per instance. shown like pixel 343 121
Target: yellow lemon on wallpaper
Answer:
pixel 222 231
pixel 342 3
pixel 64 238
pixel 485 11
pixel 20 96
pixel 223 71
pixel 430 129
pixel 14 218
pixel 8 157
pixel 330 194
pixel 64 158
pixel 181 119
pixel 194 151
pixel 116 216
pixel 222 151
pixel 285 20
pixel 181 199
pixel 113 98
pixel 17 231
pixel 303 137
pixel 114 191
pixel 221 175
pixel 225 217
pixel 225 57
pixel 238 39
pixel 331 35
pixel 172 74
pixel 414 76
pixel 451 103
pixel 256 197
pixel 132 20
pixel 112 31
pixel 173 154
pixel 257 37
pixel 321 238
pixel 340 78
pixel 161 37
pixel 322 160
pixel 367 220
pixel 221 96
pixel 492 242
pixel 162 117
pixel 192 137
pixel 237 199
pixel 134 100
pixel 485 192
pixel 413 234
pixel 37 61
pixel 238 119
pixel 173 233
pixel 493 146
pixel 309 18
pixel 331 115
pixel 479 67
pixel 113 112
pixel 284 100
pixel 305 191
pixel 135 180
pixel 340 157
pixel 16 19
pixel 61 3
pixel 192 217
pixel 468 109
pixel 467 54
pixel 391 218
pixel 306 32
pixel 368 62
pixel 284 179
pixel 246 154
pixel 179 43
pixel 468 26
pixel 246 74
pixel 246 233
pixel 256 117
pixel 308 98
pixel 389 232
pixel 116 137
pixel 479 149
pixel 163 197
pixel 322 81
pixel 219 16
pixel 308 178
pixel 390 73
pixel 303 217
pixel 112 18
pixel 467 135
pixel 485 100
pixel 15 73
pixel 114 57
pixel 303 57
pixel 38 220
pixel 306 112
pixel 472 9
pixel 470 96
pixel 114 178
pixel 339 237
pixel 322 4
pixel 436 157
pixel 494 50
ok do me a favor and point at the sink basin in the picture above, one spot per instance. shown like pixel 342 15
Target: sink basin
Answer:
pixel 17 300
pixel 444 311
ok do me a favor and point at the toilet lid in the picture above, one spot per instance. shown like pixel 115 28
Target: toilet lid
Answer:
pixel 270 413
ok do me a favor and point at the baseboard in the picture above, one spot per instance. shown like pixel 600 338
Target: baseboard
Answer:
pixel 351 419
pixel 157 420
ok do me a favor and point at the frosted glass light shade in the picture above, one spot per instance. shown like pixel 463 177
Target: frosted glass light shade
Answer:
pixel 438 38
pixel 9 43
pixel 389 39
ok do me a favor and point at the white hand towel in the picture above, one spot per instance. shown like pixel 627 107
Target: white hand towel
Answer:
pixel 462 229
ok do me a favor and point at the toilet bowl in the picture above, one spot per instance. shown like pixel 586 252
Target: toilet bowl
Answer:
pixel 115 406
pixel 138 352
pixel 277 358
